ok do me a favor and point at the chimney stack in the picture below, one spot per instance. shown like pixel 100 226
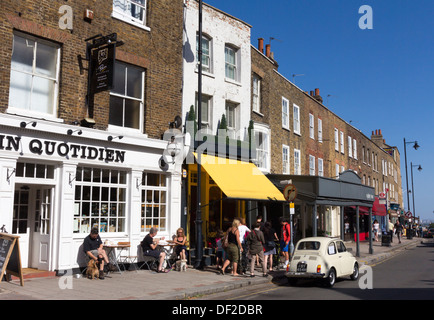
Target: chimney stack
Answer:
pixel 261 45
pixel 267 50
pixel 317 96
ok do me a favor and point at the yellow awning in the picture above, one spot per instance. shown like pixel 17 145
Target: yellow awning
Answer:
pixel 239 179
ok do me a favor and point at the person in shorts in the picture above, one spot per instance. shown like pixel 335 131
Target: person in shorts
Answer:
pixel 149 246
pixel 93 248
pixel 285 238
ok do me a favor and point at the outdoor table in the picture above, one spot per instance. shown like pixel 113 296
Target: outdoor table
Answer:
pixel 166 247
pixel 113 258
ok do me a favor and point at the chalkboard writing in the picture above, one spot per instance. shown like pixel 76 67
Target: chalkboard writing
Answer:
pixel 10 259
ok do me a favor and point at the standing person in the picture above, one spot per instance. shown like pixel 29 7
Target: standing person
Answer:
pixel 149 246
pixel 391 226
pixel 93 247
pixel 233 248
pixel 398 230
pixel 244 231
pixel 255 241
pixel 285 238
pixel 219 249
pixel 376 228
pixel 269 246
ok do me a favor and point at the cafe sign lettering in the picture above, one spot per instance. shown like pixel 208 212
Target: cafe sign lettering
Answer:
pixel 63 149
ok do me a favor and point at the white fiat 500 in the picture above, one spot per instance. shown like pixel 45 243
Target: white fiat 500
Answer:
pixel 322 258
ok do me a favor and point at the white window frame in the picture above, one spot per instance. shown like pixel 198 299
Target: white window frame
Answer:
pixel 311 126
pixel 285 113
pixel 126 97
pixel 232 118
pixel 158 204
pixel 337 170
pixel 54 99
pixel 206 123
pixel 207 58
pixel 336 139
pixel 296 122
pixel 297 162
pixel 342 142
pixel 232 66
pixel 122 14
pixel 285 159
pixel 350 147
pixel 355 149
pixel 256 94
pixel 263 153
pixel 311 165
pixel 320 167
pixel 319 130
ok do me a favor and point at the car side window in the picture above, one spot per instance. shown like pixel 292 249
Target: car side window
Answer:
pixel 331 248
pixel 341 246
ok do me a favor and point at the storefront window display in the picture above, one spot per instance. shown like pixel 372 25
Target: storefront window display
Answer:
pixel 100 200
pixel 154 201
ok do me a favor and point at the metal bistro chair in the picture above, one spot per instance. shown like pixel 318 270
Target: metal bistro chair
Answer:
pixel 129 259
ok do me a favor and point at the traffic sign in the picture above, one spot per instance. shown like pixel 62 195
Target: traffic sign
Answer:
pixel 382 195
pixel 290 192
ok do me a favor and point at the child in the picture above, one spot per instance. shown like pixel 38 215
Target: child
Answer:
pixel 219 251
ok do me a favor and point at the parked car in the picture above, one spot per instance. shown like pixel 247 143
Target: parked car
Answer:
pixel 429 234
pixel 322 258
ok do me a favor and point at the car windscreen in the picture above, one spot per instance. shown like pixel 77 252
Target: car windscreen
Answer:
pixel 308 245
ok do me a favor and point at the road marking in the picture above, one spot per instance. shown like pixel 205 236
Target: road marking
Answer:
pixel 254 293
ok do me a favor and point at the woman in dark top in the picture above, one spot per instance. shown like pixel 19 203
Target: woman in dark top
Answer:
pixel 270 246
pixel 233 249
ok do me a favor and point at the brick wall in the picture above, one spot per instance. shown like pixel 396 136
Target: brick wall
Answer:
pixel 158 50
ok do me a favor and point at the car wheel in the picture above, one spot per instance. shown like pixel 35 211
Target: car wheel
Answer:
pixel 331 278
pixel 355 274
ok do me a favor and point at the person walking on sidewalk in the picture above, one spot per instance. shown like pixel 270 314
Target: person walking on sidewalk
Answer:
pixel 269 246
pixel 233 249
pixel 285 238
pixel 398 230
pixel 376 228
pixel 244 231
pixel 255 242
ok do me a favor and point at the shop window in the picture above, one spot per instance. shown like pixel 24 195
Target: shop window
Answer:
pixel 100 200
pixel 34 77
pixel 154 201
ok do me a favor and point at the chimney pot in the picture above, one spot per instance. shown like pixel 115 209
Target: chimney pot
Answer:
pixel 267 50
pixel 317 92
pixel 311 93
pixel 261 45
pixel 379 132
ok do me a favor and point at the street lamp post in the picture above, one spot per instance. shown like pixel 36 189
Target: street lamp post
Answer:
pixel 412 186
pixel 199 243
pixel 415 146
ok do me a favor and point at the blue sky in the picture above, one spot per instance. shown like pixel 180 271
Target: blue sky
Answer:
pixel 378 79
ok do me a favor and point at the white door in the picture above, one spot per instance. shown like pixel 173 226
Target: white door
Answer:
pixel 41 207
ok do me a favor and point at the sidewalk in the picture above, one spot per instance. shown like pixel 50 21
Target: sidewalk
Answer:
pixel 148 285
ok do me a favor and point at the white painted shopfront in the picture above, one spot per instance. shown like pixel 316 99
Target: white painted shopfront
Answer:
pixel 55 186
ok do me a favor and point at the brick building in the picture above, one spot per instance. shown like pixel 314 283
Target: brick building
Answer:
pixel 305 138
pixel 69 162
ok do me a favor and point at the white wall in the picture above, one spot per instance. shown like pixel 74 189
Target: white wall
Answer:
pixel 223 29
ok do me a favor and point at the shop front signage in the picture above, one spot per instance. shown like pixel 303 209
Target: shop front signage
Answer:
pixel 62 149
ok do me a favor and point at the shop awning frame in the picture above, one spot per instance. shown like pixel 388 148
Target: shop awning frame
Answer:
pixel 240 180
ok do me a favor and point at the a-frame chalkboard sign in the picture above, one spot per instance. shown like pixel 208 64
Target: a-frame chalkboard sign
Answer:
pixel 10 258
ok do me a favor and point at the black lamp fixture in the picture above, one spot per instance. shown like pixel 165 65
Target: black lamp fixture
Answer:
pixel 70 132
pixel 110 138
pixel 24 124
pixel 415 146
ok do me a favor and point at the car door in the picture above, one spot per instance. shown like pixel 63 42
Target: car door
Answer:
pixel 332 258
pixel 346 259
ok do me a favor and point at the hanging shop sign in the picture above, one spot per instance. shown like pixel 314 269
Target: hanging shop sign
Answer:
pixel 62 149
pixel 103 65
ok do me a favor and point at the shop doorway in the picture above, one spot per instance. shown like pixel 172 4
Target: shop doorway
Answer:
pixel 33 205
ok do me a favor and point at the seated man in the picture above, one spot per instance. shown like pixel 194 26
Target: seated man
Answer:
pixel 93 247
pixel 149 246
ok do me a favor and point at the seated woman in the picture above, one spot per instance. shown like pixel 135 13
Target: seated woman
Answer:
pixel 180 240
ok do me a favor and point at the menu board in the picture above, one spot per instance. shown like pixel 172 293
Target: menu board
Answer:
pixel 10 259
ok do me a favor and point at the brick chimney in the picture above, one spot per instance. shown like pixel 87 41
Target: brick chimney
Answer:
pixel 267 50
pixel 377 138
pixel 261 45
pixel 317 96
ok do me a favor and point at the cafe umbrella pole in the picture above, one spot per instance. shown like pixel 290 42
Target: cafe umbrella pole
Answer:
pixel 199 243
